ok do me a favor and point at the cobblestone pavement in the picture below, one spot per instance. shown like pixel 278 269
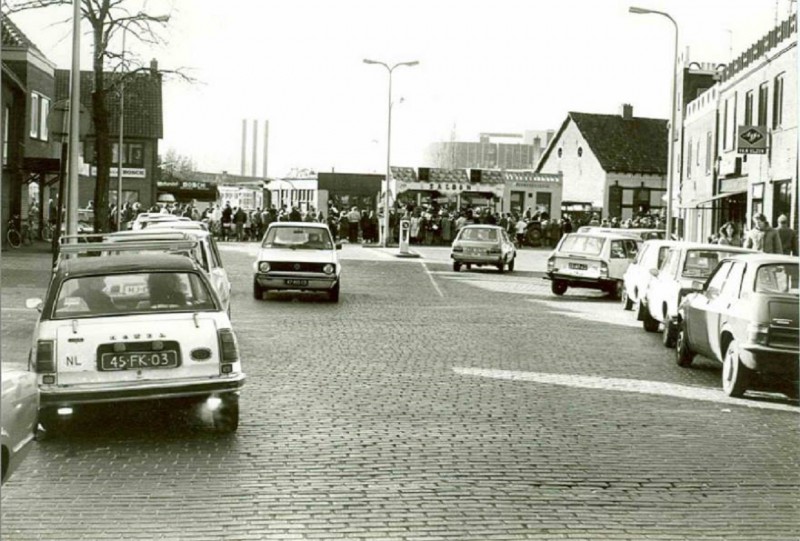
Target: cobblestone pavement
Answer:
pixel 426 405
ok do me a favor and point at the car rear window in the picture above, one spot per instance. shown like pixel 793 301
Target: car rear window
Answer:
pixel 122 294
pixel 583 244
pixel 479 234
pixel 310 238
pixel 777 279
pixel 700 263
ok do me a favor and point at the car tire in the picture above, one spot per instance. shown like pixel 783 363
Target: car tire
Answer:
pixel 226 417
pixel 501 267
pixel 627 303
pixel 511 264
pixel 615 290
pixel 735 375
pixel 258 291
pixel 641 310
pixel 456 266
pixel 648 322
pixel 668 335
pixel 469 266
pixel 333 294
pixel 683 353
pixel 558 287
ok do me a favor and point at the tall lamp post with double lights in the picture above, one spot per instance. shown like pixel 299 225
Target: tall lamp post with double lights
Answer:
pixel 670 166
pixel 390 69
pixel 160 19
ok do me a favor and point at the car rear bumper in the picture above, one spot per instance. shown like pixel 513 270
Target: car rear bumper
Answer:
pixel 292 282
pixel 54 395
pixel 582 281
pixel 770 361
pixel 476 259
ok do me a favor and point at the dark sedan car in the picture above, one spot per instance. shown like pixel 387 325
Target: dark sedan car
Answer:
pixel 746 317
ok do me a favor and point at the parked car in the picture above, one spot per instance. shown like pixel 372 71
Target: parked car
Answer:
pixel 636 279
pixel 206 252
pixel 18 418
pixel 641 234
pixel 133 328
pixel 481 245
pixel 145 219
pixel 687 266
pixel 591 260
pixel 299 256
pixel 746 317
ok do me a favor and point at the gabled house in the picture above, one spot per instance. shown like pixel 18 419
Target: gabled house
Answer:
pixel 30 155
pixel 617 164
pixel 142 126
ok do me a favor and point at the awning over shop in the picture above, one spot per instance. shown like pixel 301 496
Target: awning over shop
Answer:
pixel 696 203
pixel 453 188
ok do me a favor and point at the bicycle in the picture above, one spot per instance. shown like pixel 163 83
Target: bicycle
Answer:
pixel 16 237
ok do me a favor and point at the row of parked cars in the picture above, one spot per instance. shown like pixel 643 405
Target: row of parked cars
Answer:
pixel 736 306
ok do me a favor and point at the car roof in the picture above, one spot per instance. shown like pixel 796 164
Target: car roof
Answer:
pixel 605 234
pixel 662 242
pixel 761 257
pixel 706 246
pixel 481 226
pixel 195 228
pixel 86 266
pixel 298 224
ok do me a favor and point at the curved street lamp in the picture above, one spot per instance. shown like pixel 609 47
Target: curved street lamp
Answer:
pixel 670 168
pixel 385 236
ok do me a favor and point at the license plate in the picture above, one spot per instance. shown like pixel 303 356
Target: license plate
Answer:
pixel 296 282
pixel 138 360
pixel 476 251
pixel 578 266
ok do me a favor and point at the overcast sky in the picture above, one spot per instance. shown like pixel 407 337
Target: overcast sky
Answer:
pixel 484 66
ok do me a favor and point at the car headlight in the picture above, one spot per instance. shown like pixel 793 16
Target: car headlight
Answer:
pixel 329 268
pixel 263 266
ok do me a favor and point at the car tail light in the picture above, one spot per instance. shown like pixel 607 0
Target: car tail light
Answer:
pixel 758 334
pixel 45 356
pixel 458 248
pixel 495 250
pixel 551 264
pixel 603 269
pixel 330 268
pixel 229 350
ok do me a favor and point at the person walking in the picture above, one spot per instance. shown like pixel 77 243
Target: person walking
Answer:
pixel 353 220
pixel 728 235
pixel 763 237
pixel 787 235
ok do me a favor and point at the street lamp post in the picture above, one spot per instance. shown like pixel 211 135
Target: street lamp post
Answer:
pixel 385 237
pixel 160 19
pixel 670 166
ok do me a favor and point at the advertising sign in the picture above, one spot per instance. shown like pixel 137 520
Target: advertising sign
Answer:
pixel 752 140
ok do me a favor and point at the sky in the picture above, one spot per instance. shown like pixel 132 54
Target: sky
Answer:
pixel 499 66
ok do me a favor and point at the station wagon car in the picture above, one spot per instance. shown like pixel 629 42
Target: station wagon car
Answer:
pixel 746 317
pixel 687 266
pixel 638 276
pixel 483 245
pixel 142 327
pixel 591 260
pixel 297 256
pixel 18 418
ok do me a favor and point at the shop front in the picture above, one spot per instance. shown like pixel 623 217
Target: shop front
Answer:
pixel 452 195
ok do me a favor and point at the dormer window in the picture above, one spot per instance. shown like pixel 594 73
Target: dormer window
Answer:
pixel 580 151
pixel 559 152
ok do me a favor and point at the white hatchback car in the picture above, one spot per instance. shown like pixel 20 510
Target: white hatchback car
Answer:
pixel 591 260
pixel 638 276
pixel 299 256
pixel 478 244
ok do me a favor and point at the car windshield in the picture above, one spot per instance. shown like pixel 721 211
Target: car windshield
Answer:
pixel 298 237
pixel 583 244
pixel 485 234
pixel 777 278
pixel 123 294
pixel 700 263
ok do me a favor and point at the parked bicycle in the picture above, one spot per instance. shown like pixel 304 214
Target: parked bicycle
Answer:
pixel 17 235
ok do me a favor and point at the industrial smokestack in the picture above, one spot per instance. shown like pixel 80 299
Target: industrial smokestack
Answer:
pixel 244 144
pixel 266 146
pixel 255 148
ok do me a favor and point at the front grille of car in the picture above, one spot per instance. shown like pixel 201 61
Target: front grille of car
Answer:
pixel 782 337
pixel 296 267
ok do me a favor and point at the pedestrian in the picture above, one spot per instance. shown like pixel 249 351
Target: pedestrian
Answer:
pixel 728 235
pixel 353 220
pixel 239 219
pixel 521 227
pixel 788 236
pixel 763 237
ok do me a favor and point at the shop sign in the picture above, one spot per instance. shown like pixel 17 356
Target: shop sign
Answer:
pixel 752 140
pixel 127 172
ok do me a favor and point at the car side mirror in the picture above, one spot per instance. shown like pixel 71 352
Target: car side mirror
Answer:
pixel 654 272
pixel 338 245
pixel 34 303
pixel 698 285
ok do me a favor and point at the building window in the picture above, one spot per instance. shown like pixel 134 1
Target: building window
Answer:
pixel 748 108
pixel 40 111
pixel 758 199
pixel 132 154
pixel 580 151
pixel 782 200
pixel 777 101
pixel 543 202
pixel 763 93
pixel 34 115
pixel 708 153
pixel 725 126
pixel 6 120
pixel 559 152
pixel 689 160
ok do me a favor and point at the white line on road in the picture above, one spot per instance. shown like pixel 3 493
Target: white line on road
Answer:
pixel 623 385
pixel 435 286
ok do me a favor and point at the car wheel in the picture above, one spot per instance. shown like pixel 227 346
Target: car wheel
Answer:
pixel 668 335
pixel 226 417
pixel 627 303
pixel 469 266
pixel 456 266
pixel 649 324
pixel 616 289
pixel 558 287
pixel 258 291
pixel 511 264
pixel 501 267
pixel 641 310
pixel 735 375
pixel 333 294
pixel 683 353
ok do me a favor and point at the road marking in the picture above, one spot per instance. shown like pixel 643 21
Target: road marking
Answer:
pixel 624 385
pixel 428 272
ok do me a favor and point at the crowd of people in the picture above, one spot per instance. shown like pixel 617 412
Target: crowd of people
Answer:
pixel 761 237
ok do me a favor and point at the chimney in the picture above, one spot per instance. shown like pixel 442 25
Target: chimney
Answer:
pixel 626 111
pixel 244 144
pixel 255 147
pixel 266 146
pixel 537 142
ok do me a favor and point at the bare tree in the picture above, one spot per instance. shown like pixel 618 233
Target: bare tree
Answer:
pixel 175 165
pixel 107 18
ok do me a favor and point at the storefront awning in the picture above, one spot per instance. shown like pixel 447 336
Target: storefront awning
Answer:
pixel 696 204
